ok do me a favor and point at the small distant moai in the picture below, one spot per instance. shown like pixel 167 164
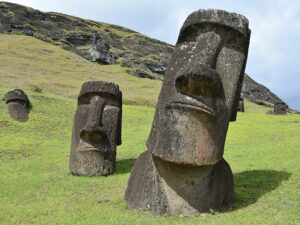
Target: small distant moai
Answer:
pixel 183 170
pixel 241 107
pixel 96 129
pixel 280 108
pixel 18 105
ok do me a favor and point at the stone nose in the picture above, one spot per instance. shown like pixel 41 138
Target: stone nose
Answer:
pixel 97 105
pixel 93 132
pixel 199 77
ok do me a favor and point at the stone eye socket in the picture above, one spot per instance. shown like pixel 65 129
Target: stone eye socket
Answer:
pixel 197 86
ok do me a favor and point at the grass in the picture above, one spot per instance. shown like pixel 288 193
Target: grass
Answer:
pixel 60 72
pixel 36 186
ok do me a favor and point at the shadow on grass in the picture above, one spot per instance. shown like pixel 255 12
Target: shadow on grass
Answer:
pixel 124 166
pixel 251 185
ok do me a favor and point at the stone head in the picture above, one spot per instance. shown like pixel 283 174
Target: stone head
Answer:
pixel 201 89
pixel 18 105
pixel 97 128
pixel 280 107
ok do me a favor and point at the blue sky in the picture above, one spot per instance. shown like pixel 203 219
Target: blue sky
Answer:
pixel 274 54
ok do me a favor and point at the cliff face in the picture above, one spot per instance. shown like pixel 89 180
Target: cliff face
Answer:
pixel 99 42
pixel 106 44
pixel 258 93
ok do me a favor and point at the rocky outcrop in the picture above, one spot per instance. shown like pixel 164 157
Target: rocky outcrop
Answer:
pixel 113 44
pixel 143 57
pixel 258 93
pixel 99 52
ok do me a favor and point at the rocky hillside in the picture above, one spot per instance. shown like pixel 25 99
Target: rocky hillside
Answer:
pixel 106 44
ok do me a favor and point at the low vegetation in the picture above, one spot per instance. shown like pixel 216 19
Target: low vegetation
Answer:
pixel 29 63
pixel 36 186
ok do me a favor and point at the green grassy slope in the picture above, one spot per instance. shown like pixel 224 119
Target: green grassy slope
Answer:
pixel 36 186
pixel 29 63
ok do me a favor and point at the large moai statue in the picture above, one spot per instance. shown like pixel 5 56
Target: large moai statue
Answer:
pixel 18 105
pixel 96 129
pixel 183 170
pixel 280 108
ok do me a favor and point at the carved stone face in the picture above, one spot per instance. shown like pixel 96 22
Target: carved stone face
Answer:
pixel 96 129
pixel 280 108
pixel 18 105
pixel 201 89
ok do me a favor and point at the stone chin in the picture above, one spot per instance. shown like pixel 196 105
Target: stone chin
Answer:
pixel 191 134
pixel 186 139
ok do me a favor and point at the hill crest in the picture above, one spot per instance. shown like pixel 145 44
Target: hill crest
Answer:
pixel 104 43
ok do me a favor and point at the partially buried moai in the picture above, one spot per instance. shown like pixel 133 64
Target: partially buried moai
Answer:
pixel 241 107
pixel 183 170
pixel 18 105
pixel 280 108
pixel 96 129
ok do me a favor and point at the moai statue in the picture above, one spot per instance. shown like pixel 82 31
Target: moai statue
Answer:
pixel 183 170
pixel 241 107
pixel 280 108
pixel 100 51
pixel 96 129
pixel 18 105
pixel 96 37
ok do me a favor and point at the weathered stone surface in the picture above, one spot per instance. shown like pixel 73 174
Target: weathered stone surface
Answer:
pixel 99 52
pixel 156 67
pixel 258 93
pixel 79 38
pixel 18 105
pixel 96 129
pixel 280 108
pixel 183 170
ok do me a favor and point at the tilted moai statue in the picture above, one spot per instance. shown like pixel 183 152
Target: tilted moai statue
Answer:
pixel 183 170
pixel 280 108
pixel 18 105
pixel 241 107
pixel 96 129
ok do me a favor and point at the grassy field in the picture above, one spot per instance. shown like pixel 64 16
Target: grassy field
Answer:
pixel 36 186
pixel 32 64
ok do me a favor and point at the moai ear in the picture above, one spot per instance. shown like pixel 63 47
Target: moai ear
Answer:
pixel 230 65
